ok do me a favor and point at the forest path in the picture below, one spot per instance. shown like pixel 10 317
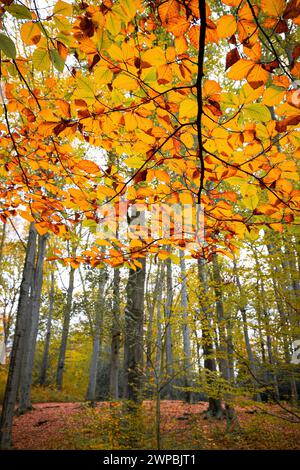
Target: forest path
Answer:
pixel 77 426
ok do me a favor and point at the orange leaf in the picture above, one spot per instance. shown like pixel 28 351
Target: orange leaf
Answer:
pixel 226 26
pixel 273 7
pixel 240 69
pixel 88 166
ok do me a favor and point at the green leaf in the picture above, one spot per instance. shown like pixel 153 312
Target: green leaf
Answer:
pixel 41 60
pixel 63 8
pixel 257 112
pixel 251 202
pixel 7 46
pixel 19 11
pixel 57 60
pixel 84 90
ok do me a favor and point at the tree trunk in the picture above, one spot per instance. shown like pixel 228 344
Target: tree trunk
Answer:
pixel 115 339
pixel 168 315
pixel 264 316
pixel 251 359
pixel 224 345
pixel 133 340
pixel 214 404
pixel 186 330
pixel 284 320
pixel 33 323
pixel 11 390
pixel 65 331
pixel 158 356
pixel 45 359
pixel 92 385
pixel 151 304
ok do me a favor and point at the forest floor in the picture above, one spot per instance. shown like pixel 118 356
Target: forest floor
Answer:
pixel 78 426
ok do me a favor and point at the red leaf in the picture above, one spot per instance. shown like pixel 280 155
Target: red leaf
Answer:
pixel 232 57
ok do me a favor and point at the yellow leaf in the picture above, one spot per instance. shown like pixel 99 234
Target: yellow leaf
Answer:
pixel 115 52
pixel 130 122
pixel 187 139
pixel 103 75
pixel 113 23
pixel 154 56
pixel 134 162
pixel 188 108
pixel 186 198
pixel 273 95
pixel 251 201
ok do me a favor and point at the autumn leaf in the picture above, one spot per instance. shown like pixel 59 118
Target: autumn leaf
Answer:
pixel 88 166
pixel 30 33
pixel 273 7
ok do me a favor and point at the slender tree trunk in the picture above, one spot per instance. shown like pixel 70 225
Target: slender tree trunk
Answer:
pixel 33 323
pixel 115 339
pixel 264 315
pixel 168 317
pixel 158 356
pixel 158 359
pixel 92 385
pixel 186 335
pixel 151 304
pixel 251 358
pixel 221 321
pixel 224 348
pixel 284 320
pixel 45 359
pixel 133 339
pixel 65 331
pixel 11 390
pixel 3 340
pixel 214 404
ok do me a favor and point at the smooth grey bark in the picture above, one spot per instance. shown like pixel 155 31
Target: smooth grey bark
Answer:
pixel 290 256
pixel 151 305
pixel 225 347
pixel 65 331
pixel 115 339
pixel 264 319
pixel 284 321
pixel 32 328
pixel 214 404
pixel 133 338
pixel 158 366
pixel 92 384
pixel 221 322
pixel 45 358
pixel 168 316
pixel 158 355
pixel 251 358
pixel 2 241
pixel 11 389
pixel 186 335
